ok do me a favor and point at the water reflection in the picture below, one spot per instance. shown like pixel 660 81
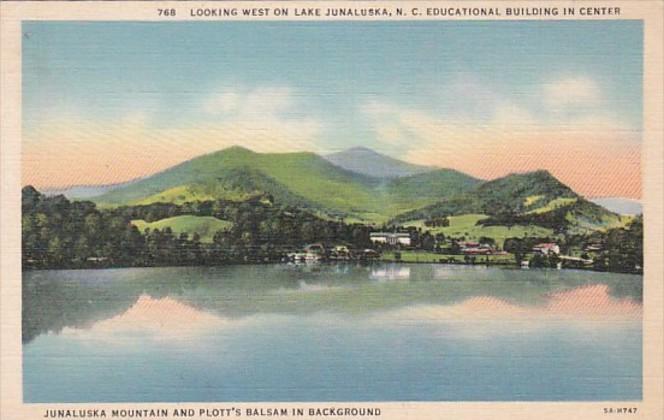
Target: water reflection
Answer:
pixel 155 319
pixel 179 302
pixel 390 272
pixel 585 303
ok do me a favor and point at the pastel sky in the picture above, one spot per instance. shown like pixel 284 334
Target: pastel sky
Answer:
pixel 106 102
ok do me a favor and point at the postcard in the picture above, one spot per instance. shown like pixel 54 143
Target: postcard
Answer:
pixel 332 210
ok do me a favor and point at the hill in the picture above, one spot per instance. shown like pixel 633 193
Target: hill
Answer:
pixel 81 192
pixel 365 161
pixel 415 191
pixel 308 181
pixel 469 227
pixel 304 180
pixel 514 193
pixel 534 198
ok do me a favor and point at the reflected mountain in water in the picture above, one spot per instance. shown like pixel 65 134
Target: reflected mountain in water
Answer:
pixel 180 302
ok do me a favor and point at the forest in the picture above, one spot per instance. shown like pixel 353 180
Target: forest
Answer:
pixel 59 233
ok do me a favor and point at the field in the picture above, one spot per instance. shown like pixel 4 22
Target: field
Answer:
pixel 177 195
pixel 430 257
pixel 205 226
pixel 465 226
pixel 553 204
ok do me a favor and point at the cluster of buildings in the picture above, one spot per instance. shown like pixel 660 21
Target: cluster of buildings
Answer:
pixel 476 248
pixel 319 252
pixel 398 240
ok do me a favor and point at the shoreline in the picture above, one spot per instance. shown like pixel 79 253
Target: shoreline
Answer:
pixel 329 263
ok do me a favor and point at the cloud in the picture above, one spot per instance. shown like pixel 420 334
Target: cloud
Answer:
pixel 578 91
pixel 267 119
pixel 251 103
pixel 593 152
pixel 586 302
pixel 271 118
pixel 276 117
pixel 164 320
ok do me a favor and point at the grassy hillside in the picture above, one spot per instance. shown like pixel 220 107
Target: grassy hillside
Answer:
pixel 308 181
pixel 552 205
pixel 585 217
pixel 205 226
pixel 466 226
pixel 304 180
pixel 233 184
pixel 534 200
pixel 516 193
pixel 578 216
pixel 415 191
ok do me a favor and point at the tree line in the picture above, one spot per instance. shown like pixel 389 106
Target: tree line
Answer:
pixel 59 233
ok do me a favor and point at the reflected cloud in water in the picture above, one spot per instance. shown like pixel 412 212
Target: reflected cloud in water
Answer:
pixel 180 303
pixel 337 333
pixel 155 319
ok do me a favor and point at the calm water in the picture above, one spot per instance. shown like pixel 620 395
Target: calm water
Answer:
pixel 330 333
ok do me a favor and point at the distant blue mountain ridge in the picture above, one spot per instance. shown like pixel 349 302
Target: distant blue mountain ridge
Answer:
pixel 365 161
pixel 619 205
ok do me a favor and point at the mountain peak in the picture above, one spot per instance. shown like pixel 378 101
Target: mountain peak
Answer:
pixel 231 152
pixel 365 161
pixel 360 149
pixel 236 148
pixel 533 183
pixel 540 173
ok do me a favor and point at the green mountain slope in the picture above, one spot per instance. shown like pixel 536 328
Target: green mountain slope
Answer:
pixel 521 192
pixel 534 198
pixel 415 191
pixel 308 181
pixel 515 193
pixel 304 180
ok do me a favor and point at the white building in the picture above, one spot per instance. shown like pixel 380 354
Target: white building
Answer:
pixel 547 248
pixel 390 238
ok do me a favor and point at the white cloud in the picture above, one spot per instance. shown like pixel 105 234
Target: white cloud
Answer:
pixel 271 118
pixel 251 103
pixel 268 119
pixel 589 149
pixel 497 118
pixel 222 103
pixel 164 320
pixel 572 91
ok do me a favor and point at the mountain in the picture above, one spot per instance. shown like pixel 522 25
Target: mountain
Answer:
pixel 534 198
pixel 365 161
pixel 309 181
pixel 86 191
pixel 304 180
pixel 419 190
pixel 236 173
pixel 620 205
pixel 514 193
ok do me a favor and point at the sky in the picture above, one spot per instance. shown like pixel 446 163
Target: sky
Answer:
pixel 106 102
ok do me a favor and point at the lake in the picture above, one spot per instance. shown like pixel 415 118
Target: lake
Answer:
pixel 338 332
